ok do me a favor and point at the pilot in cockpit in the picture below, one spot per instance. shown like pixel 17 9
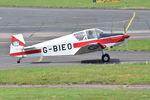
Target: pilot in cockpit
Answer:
pixel 90 35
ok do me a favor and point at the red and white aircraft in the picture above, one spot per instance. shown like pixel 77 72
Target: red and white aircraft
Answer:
pixel 76 43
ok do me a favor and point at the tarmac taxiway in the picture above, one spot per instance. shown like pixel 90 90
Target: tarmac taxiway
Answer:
pixel 41 24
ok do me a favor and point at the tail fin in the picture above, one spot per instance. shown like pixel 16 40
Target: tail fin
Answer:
pixel 17 45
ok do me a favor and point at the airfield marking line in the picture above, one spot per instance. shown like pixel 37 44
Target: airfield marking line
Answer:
pixel 120 21
pixel 11 65
pixel 38 26
pixel 69 25
pixel 40 59
pixel 27 41
pixel 105 27
pixel 134 14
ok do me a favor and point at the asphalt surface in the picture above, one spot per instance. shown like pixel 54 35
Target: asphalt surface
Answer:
pixel 16 20
pixel 40 24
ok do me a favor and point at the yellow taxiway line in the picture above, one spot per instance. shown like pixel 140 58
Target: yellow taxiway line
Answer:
pixel 40 59
pixel 134 14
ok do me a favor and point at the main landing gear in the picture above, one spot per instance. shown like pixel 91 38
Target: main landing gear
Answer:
pixel 19 60
pixel 105 57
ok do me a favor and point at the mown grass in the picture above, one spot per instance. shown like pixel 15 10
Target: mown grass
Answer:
pixel 134 45
pixel 124 4
pixel 71 94
pixel 91 74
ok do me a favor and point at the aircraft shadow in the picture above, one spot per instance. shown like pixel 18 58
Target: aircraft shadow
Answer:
pixel 91 61
pixel 98 61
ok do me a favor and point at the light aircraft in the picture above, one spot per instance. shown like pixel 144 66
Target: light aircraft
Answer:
pixel 76 43
pixel 81 42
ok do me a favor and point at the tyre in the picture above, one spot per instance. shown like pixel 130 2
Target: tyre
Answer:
pixel 18 61
pixel 105 58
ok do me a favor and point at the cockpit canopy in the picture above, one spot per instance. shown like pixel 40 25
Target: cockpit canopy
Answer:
pixel 88 34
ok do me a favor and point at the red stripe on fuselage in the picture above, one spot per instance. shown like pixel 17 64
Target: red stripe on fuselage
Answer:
pixel 26 52
pixel 102 41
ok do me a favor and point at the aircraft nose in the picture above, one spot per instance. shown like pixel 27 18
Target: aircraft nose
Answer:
pixel 126 36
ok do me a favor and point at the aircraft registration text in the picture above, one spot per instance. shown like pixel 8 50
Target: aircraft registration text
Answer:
pixel 57 48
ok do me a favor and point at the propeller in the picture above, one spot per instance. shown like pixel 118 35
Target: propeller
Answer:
pixel 111 28
pixel 127 43
pixel 126 40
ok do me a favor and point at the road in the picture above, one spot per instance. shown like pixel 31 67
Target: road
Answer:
pixel 40 24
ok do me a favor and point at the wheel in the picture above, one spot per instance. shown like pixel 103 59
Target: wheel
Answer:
pixel 18 61
pixel 105 58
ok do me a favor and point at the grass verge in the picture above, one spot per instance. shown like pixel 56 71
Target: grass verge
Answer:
pixel 101 74
pixel 124 4
pixel 134 45
pixel 71 94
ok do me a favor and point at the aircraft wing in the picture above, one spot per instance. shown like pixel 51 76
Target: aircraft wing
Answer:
pixel 90 48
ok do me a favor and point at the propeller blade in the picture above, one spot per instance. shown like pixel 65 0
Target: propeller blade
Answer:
pixel 127 44
pixel 124 28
